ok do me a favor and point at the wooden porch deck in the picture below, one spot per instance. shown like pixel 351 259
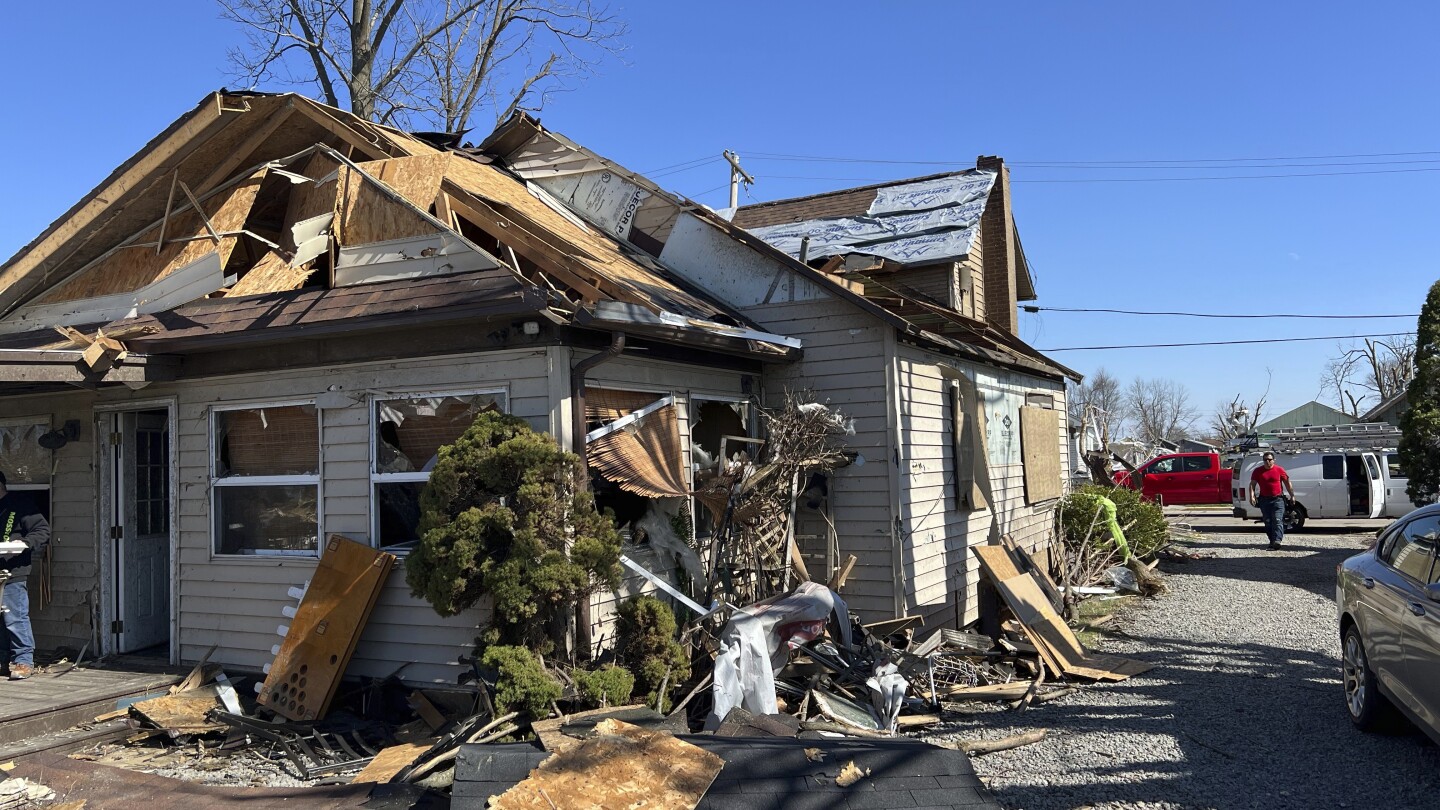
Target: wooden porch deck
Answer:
pixel 60 697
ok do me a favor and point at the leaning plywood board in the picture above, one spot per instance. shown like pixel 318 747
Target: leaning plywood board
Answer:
pixel 1054 640
pixel 1040 446
pixel 327 625
pixel 618 767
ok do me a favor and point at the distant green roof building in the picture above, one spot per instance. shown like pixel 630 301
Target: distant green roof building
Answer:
pixel 1311 413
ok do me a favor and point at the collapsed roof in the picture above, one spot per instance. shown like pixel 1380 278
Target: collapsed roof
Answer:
pixel 257 218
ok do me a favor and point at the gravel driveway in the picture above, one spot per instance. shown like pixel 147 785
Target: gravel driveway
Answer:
pixel 1243 710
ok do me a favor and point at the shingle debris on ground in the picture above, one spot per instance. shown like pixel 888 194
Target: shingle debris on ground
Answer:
pixel 1245 709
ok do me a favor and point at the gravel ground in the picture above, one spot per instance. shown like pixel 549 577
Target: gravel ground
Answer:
pixel 1244 709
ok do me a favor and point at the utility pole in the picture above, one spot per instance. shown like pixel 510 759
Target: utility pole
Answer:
pixel 736 175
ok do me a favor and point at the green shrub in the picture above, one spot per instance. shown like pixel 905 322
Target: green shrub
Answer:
pixel 506 513
pixel 1142 521
pixel 610 685
pixel 523 684
pixel 647 646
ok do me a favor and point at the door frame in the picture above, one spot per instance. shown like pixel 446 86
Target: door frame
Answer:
pixel 107 422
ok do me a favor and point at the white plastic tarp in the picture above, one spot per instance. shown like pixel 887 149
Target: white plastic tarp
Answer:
pixel 954 189
pixel 753 646
pixel 922 249
pixel 825 233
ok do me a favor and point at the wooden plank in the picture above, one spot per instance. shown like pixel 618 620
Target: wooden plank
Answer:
pixel 1041 451
pixel 391 761
pixel 327 625
pixel 182 713
pixel 620 765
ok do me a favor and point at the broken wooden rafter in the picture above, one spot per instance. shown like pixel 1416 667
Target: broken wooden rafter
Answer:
pixel 169 203
pixel 200 212
pixel 487 219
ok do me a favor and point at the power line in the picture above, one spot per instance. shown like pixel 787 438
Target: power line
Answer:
pixel 1121 179
pixel 1220 177
pixel 1081 163
pixel 1029 308
pixel 1222 342
pixel 678 165
pixel 683 169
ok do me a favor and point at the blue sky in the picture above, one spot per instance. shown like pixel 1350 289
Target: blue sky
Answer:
pixel 1111 82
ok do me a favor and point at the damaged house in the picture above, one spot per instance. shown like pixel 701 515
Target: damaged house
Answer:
pixel 258 331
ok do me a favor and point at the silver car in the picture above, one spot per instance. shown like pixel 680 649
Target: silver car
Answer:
pixel 1389 602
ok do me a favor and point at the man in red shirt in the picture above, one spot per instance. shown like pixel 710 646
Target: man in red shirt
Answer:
pixel 1269 485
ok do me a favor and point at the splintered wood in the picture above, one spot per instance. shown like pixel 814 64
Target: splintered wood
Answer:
pixel 327 626
pixel 620 766
pixel 1057 645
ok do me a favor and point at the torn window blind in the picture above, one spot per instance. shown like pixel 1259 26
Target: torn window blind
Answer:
pixel 187 239
pixel 22 458
pixel 644 457
pixel 283 440
pixel 1040 449
pixel 604 405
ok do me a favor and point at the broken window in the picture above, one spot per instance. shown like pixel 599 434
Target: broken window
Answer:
pixel 25 462
pixel 407 434
pixel 711 422
pixel 265 478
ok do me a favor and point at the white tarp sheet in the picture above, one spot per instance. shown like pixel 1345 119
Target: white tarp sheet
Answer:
pixel 824 233
pixel 956 189
pixel 753 649
pixel 601 197
pixel 910 223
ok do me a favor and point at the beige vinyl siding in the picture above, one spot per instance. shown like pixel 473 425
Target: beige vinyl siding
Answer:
pixel 69 619
pixel 974 264
pixel 844 366
pixel 237 602
pixel 942 576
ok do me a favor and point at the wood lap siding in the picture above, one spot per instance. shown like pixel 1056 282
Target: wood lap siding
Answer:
pixel 939 568
pixel 844 365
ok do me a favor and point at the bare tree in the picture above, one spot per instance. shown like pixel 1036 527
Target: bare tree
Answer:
pixel 1160 409
pixel 423 62
pixel 1231 420
pixel 1378 370
pixel 1098 403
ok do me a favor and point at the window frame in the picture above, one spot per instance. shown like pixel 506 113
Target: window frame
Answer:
pixel 374 478
pixel 1325 466
pixel 693 404
pixel 217 483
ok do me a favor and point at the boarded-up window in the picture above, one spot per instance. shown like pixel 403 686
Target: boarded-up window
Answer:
pixel 1040 448
pixel 972 475
pixel 265 476
pixel 407 436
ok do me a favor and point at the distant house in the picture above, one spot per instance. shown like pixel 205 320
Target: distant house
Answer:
pixel 1388 410
pixel 1311 413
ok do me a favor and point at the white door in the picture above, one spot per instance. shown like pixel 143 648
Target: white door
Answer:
pixel 142 530
pixel 1397 502
pixel 1377 485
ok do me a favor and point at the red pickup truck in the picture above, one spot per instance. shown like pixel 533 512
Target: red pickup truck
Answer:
pixel 1181 478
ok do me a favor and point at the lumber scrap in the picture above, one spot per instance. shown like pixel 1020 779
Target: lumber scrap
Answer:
pixel 620 765
pixel 391 761
pixel 1053 639
pixel 183 713
pixel 326 628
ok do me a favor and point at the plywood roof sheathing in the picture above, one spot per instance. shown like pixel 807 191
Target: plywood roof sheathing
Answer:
pixel 169 203
pixel 245 149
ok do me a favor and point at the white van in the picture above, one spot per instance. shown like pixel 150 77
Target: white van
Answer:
pixel 1328 484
